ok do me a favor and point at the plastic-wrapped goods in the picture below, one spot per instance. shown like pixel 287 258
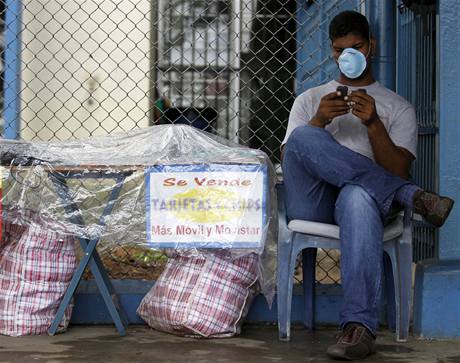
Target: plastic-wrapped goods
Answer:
pixel 1 209
pixel 163 187
pixel 36 266
pixel 207 296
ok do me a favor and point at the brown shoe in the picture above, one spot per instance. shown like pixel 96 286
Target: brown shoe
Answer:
pixel 432 207
pixel 354 342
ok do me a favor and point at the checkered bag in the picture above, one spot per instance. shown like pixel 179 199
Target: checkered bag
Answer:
pixel 36 266
pixel 202 297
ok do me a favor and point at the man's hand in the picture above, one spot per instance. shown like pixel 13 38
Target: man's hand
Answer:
pixel 363 107
pixel 331 105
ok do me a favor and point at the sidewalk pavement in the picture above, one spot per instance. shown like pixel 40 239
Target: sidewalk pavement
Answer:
pixel 258 343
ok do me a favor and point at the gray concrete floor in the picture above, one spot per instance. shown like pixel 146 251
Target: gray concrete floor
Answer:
pixel 257 343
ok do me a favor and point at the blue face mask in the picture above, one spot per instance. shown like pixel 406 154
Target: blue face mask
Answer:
pixel 352 63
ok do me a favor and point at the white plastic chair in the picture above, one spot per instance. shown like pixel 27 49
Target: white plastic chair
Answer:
pixel 307 236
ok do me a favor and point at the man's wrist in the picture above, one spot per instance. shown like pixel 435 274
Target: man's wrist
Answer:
pixel 373 124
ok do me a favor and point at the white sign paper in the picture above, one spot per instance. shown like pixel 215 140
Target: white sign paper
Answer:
pixel 209 206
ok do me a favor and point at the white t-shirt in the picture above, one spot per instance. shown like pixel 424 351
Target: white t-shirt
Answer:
pixel 396 114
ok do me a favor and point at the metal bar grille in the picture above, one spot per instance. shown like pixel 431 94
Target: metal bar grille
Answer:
pixel 417 83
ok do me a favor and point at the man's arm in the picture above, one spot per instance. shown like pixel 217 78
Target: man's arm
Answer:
pixel 395 159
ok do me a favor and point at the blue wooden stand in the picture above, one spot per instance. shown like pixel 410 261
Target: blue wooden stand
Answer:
pixel 91 257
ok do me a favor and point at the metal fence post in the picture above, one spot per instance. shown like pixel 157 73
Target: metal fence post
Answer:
pixel 382 19
pixel 12 78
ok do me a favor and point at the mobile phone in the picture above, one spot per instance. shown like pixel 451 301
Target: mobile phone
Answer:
pixel 343 91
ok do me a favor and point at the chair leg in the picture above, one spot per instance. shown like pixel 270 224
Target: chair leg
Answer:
pixel 309 279
pixel 284 290
pixel 389 292
pixel 402 277
pixel 404 259
pixel 397 290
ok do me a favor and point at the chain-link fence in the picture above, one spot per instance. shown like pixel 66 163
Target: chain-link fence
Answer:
pixel 230 67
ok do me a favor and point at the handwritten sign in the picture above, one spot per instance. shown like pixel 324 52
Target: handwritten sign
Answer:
pixel 208 206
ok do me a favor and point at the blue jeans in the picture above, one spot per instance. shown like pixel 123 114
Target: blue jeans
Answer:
pixel 327 182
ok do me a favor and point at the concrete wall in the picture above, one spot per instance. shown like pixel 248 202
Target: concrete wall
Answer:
pixel 85 65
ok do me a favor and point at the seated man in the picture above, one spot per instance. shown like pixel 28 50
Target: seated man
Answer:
pixel 347 156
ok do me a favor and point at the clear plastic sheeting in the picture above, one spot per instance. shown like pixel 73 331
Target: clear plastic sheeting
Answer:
pixel 164 187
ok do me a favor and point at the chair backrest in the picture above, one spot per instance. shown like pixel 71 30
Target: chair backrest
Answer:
pixel 283 230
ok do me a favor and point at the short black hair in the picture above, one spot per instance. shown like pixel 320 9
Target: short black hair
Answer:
pixel 348 22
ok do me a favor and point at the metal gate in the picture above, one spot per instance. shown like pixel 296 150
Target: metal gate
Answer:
pixel 416 81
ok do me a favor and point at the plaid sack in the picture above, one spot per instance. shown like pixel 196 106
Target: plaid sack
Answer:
pixel 36 266
pixel 201 297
